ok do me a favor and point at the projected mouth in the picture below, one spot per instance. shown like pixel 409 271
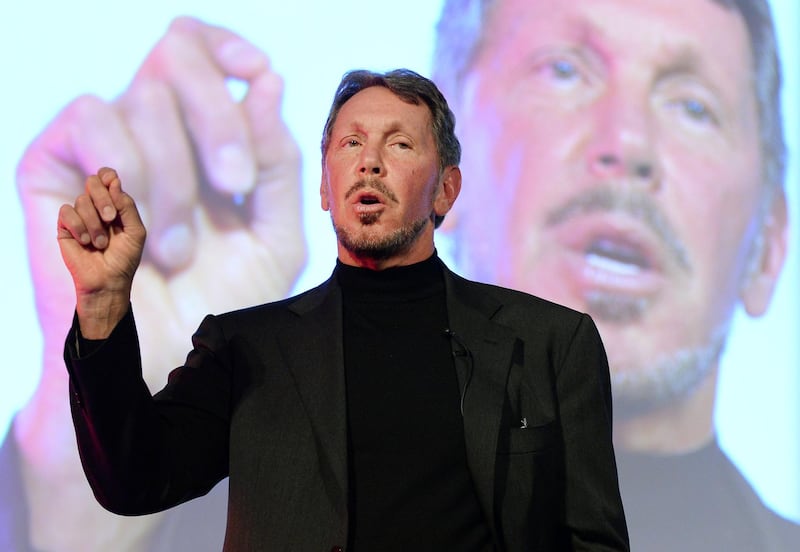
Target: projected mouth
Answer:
pixel 619 257
pixel 617 252
pixel 616 266
pixel 618 280
pixel 616 259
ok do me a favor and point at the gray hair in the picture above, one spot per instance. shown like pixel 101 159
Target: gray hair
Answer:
pixel 412 88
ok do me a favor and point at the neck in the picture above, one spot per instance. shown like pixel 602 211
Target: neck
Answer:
pixel 412 256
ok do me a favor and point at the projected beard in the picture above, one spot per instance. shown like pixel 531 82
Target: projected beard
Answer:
pixel 666 379
pixel 671 376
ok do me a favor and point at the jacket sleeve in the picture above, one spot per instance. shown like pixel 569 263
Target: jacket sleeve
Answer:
pixel 594 512
pixel 143 453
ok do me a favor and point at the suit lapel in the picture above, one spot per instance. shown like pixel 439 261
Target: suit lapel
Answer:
pixel 313 348
pixel 483 351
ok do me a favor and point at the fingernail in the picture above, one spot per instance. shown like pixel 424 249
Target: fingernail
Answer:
pixel 85 238
pixel 231 170
pixel 100 242
pixel 175 245
pixel 109 213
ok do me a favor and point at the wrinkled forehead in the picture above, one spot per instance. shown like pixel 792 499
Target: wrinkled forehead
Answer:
pixel 379 109
pixel 653 32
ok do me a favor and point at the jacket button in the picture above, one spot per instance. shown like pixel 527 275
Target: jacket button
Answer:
pixel 337 549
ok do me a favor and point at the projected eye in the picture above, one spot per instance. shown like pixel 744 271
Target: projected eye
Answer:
pixel 691 103
pixel 698 111
pixel 694 113
pixel 560 73
pixel 566 73
pixel 564 70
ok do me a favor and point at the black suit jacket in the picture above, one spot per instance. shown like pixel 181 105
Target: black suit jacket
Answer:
pixel 261 399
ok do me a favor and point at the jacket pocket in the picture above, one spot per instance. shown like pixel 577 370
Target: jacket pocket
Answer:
pixel 531 439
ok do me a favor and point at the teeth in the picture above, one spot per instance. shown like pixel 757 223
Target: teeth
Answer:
pixel 607 264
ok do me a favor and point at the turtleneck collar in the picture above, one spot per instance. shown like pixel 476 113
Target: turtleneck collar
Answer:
pixel 397 283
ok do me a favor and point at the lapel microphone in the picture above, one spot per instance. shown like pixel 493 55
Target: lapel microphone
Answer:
pixel 461 350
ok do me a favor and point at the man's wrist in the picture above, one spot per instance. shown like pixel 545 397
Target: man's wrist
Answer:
pixel 98 315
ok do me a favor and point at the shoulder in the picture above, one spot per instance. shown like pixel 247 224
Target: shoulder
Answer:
pixel 782 533
pixel 514 306
pixel 297 304
pixel 275 315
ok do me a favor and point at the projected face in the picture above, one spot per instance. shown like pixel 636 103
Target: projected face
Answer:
pixel 614 146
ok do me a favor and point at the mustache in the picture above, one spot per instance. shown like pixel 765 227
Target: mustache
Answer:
pixel 371 184
pixel 636 204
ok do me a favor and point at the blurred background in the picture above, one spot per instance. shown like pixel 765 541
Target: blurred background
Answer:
pixel 53 52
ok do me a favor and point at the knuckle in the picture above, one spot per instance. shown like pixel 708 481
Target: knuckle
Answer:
pixel 148 92
pixel 84 107
pixel 82 201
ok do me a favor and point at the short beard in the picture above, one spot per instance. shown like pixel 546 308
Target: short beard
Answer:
pixel 380 248
pixel 666 380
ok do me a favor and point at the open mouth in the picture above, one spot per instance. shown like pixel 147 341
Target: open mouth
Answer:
pixel 368 200
pixel 616 252
pixel 617 256
pixel 610 254
pixel 618 278
pixel 368 206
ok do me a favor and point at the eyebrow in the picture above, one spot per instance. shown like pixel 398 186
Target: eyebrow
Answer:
pixel 683 58
pixel 686 61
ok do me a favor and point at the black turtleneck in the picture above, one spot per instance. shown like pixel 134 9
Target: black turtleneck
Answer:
pixel 410 488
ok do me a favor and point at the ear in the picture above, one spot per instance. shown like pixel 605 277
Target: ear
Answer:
pixel 770 254
pixel 449 189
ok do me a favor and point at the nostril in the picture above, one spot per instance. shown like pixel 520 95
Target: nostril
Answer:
pixel 376 170
pixel 607 159
pixel 643 171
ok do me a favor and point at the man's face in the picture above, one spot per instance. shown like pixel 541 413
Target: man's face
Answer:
pixel 381 178
pixel 613 146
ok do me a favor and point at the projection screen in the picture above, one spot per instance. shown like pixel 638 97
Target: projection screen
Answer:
pixel 63 62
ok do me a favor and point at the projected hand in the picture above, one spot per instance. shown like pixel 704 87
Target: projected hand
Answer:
pixel 218 185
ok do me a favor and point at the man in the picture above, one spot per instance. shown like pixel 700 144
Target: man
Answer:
pixel 493 431
pixel 633 154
